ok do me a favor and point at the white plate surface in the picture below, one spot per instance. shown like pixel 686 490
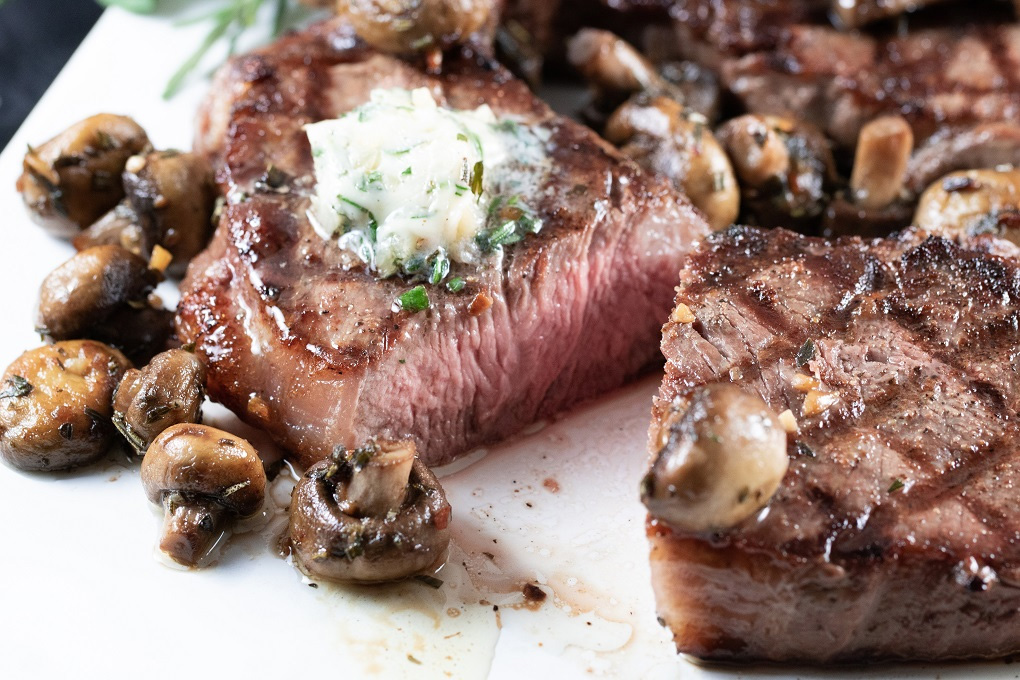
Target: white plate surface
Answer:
pixel 81 591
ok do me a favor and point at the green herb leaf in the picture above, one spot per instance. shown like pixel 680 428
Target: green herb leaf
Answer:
pixel 806 352
pixel 18 387
pixel 414 300
pixel 373 225
pixel 177 79
pixel 476 178
pixel 895 486
pixel 455 285
pixel 279 17
pixel 370 180
pixel 430 581
pixel 440 268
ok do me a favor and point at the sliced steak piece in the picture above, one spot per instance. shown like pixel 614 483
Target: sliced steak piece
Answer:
pixel 895 533
pixel 304 342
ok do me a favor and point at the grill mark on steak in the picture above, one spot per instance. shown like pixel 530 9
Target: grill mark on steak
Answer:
pixel 303 341
pixel 906 479
pixel 949 368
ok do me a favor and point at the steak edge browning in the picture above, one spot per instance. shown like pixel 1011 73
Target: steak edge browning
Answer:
pixel 895 533
pixel 307 346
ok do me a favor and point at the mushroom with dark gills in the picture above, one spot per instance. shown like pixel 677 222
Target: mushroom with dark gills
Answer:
pixel 371 514
pixel 202 477
pixel 718 463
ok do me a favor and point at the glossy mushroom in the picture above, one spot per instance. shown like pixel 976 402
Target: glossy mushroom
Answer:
pixel 615 70
pixel 203 477
pixel 412 26
pixel 372 514
pixel 972 202
pixel 55 405
pixel 785 168
pixel 168 391
pixel 89 287
pixel 718 463
pixel 663 137
pixel 74 178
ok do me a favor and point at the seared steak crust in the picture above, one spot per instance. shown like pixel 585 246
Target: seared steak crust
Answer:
pixel 896 532
pixel 302 341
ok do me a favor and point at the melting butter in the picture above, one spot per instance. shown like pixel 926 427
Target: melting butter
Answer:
pixel 410 185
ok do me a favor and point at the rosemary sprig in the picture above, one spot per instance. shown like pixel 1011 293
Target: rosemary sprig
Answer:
pixel 229 21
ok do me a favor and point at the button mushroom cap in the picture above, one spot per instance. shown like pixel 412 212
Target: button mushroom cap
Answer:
pixel 972 202
pixel 718 463
pixel 756 147
pixel 168 391
pixel 337 532
pixel 89 287
pixel 661 136
pixel 71 180
pixel 410 26
pixel 202 476
pixel 55 405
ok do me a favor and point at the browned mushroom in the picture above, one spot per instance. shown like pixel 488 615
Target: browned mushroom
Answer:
pixel 102 293
pixel 663 137
pixel 718 463
pixel 71 180
pixel 169 391
pixel 973 202
pixel 89 287
pixel 202 477
pixel 169 203
pixel 372 514
pixel 610 63
pixel 616 70
pixel 119 227
pixel 785 168
pixel 55 405
pixel 410 26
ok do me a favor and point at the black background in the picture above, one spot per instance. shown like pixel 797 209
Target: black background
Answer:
pixel 37 37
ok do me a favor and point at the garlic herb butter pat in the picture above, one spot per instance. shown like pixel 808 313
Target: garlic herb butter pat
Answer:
pixel 409 185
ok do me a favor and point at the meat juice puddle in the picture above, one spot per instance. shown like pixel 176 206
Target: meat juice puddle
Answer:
pixel 548 554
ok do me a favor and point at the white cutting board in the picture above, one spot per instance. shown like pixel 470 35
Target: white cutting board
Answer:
pixel 83 595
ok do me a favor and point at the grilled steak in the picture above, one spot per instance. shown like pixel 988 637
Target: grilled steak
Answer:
pixel 304 343
pixel 895 533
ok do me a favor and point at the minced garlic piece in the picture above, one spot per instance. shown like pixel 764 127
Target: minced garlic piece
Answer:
pixel 789 421
pixel 682 314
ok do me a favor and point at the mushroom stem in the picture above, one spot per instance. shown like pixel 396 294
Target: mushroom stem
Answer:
pixel 611 63
pixel 379 485
pixel 190 528
pixel 880 163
